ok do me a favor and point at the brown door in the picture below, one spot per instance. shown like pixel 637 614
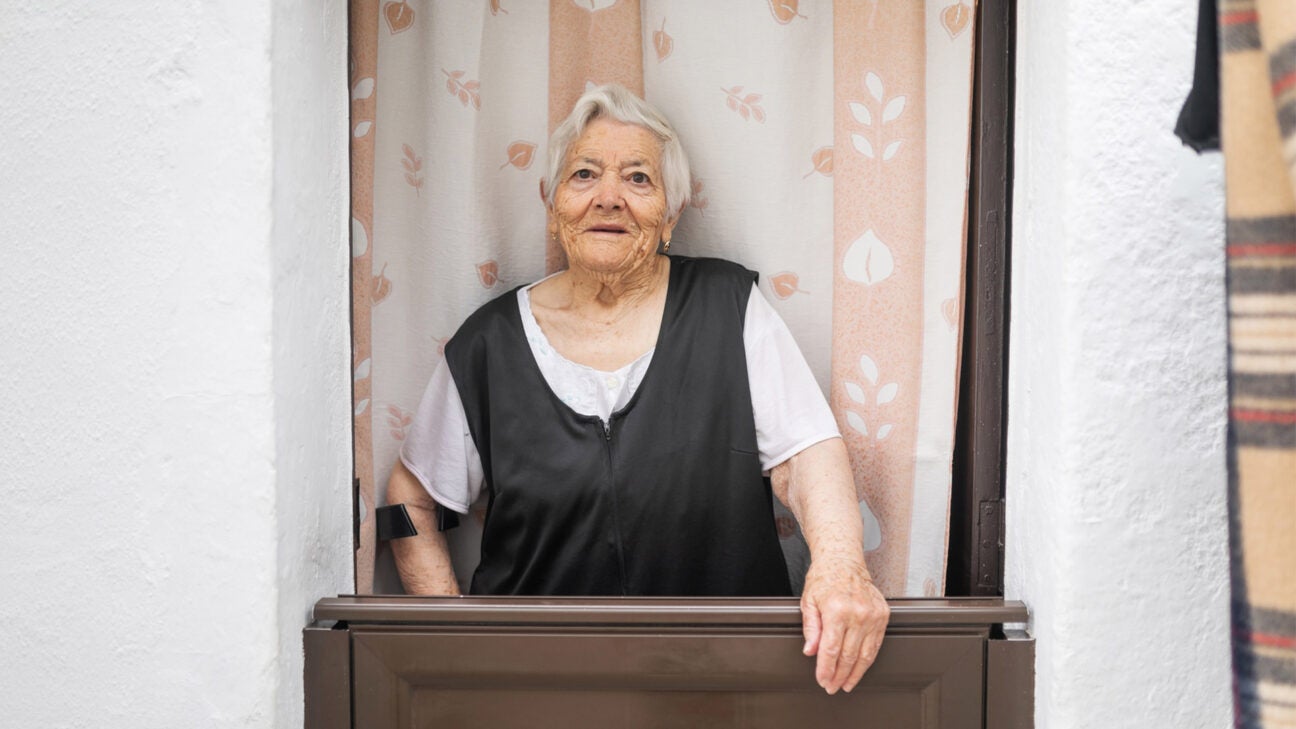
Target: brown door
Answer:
pixel 428 662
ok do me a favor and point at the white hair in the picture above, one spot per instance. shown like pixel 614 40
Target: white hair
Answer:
pixel 617 102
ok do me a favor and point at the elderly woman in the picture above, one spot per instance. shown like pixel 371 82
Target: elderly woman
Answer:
pixel 620 415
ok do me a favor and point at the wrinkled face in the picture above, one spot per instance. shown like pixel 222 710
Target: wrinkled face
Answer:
pixel 609 210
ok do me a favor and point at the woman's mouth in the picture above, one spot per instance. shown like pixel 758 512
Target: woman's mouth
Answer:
pixel 617 229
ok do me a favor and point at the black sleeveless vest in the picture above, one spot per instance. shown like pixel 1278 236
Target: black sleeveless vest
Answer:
pixel 666 498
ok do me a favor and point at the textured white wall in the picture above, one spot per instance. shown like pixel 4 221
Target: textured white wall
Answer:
pixel 1116 481
pixel 175 452
pixel 311 321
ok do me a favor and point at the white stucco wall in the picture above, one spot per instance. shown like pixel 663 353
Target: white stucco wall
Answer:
pixel 1116 473
pixel 173 340
pixel 311 288
pixel 176 436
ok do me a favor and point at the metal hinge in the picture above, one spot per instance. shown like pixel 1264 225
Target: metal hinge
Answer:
pixel 990 546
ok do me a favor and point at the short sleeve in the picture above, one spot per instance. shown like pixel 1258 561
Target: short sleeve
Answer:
pixel 790 410
pixel 439 448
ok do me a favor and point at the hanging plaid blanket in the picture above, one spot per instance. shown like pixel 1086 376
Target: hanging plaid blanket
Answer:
pixel 1258 85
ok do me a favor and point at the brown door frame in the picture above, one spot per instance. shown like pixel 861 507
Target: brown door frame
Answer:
pixel 976 538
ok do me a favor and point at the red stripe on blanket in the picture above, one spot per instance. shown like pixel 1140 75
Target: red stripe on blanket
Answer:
pixel 1262 416
pixel 1266 639
pixel 1239 18
pixel 1262 249
pixel 1284 83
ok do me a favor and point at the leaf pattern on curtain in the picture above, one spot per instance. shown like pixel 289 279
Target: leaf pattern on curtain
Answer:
pixel 362 64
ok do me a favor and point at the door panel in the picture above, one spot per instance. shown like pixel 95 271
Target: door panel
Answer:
pixel 524 679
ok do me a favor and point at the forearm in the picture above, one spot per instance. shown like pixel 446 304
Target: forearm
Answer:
pixel 423 561
pixel 817 486
pixel 844 616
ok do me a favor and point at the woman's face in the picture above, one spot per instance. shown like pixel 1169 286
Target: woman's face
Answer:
pixel 609 210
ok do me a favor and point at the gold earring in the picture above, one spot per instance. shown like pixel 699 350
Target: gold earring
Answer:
pixel 666 246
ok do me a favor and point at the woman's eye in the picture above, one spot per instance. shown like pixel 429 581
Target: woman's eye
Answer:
pixel 639 178
pixel 584 174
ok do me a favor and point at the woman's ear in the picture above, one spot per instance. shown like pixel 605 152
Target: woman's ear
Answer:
pixel 543 197
pixel 669 227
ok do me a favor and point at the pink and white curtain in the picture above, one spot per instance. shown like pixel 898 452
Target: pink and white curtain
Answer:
pixel 829 143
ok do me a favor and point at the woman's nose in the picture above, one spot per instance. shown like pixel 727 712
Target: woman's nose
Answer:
pixel 608 193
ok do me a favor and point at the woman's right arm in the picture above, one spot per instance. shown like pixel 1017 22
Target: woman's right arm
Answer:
pixel 423 560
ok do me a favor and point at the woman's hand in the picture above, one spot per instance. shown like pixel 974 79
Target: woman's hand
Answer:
pixel 843 614
pixel 843 618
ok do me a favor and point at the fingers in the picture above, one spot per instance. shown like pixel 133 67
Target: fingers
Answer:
pixel 830 655
pixel 811 627
pixel 850 637
pixel 868 653
pixel 872 630
pixel 849 660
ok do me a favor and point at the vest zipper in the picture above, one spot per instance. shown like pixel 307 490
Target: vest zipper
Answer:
pixel 616 523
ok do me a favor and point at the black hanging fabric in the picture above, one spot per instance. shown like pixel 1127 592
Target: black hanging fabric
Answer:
pixel 1198 125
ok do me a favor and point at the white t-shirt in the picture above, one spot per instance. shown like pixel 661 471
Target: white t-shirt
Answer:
pixel 790 411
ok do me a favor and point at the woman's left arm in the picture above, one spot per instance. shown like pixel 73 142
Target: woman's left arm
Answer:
pixel 843 613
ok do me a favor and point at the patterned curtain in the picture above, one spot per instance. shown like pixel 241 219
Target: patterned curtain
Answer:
pixel 829 143
pixel 1258 95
